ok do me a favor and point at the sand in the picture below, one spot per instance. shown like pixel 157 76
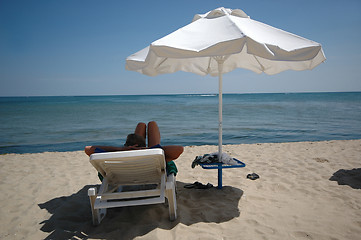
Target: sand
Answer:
pixel 306 190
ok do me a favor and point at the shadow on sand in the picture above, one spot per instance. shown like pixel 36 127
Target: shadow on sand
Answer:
pixel 348 177
pixel 71 216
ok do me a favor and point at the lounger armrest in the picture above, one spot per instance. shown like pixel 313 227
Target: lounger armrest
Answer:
pixel 170 181
pixel 171 196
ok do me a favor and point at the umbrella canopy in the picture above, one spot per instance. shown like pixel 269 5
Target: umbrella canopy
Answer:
pixel 243 42
pixel 220 41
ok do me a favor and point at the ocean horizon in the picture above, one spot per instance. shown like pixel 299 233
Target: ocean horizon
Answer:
pixel 68 123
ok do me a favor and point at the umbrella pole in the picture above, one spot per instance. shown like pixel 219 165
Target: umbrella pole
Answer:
pixel 220 120
pixel 220 62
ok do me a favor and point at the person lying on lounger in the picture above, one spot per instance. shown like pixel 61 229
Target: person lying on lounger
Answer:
pixel 137 141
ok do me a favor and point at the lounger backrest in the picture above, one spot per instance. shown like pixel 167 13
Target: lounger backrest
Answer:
pixel 131 167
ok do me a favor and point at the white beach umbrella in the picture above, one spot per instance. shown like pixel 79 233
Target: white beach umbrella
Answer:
pixel 224 39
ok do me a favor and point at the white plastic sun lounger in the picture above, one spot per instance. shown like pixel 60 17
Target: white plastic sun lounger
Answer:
pixel 128 168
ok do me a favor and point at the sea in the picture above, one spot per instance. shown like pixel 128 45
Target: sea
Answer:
pixel 43 124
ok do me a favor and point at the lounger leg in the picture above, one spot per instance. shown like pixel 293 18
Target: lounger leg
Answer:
pixel 92 193
pixel 97 214
pixel 170 194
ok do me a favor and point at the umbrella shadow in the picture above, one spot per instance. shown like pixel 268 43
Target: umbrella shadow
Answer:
pixel 348 177
pixel 71 215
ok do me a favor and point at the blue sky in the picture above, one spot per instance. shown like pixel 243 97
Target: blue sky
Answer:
pixel 79 47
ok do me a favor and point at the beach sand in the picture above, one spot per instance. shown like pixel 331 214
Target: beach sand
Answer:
pixel 306 190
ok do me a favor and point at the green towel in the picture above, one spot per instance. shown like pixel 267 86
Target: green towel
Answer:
pixel 171 168
pixel 100 177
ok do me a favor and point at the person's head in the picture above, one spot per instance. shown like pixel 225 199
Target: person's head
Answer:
pixel 134 139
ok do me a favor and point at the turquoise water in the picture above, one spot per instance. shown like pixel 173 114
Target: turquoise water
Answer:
pixel 38 124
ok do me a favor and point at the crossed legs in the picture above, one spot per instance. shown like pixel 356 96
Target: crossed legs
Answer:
pixel 171 152
pixel 153 133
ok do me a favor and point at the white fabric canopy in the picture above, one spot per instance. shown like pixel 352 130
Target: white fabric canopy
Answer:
pixel 220 41
pixel 245 43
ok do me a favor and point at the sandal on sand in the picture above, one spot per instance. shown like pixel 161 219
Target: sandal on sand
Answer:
pixel 198 185
pixel 253 176
pixel 201 186
pixel 192 185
